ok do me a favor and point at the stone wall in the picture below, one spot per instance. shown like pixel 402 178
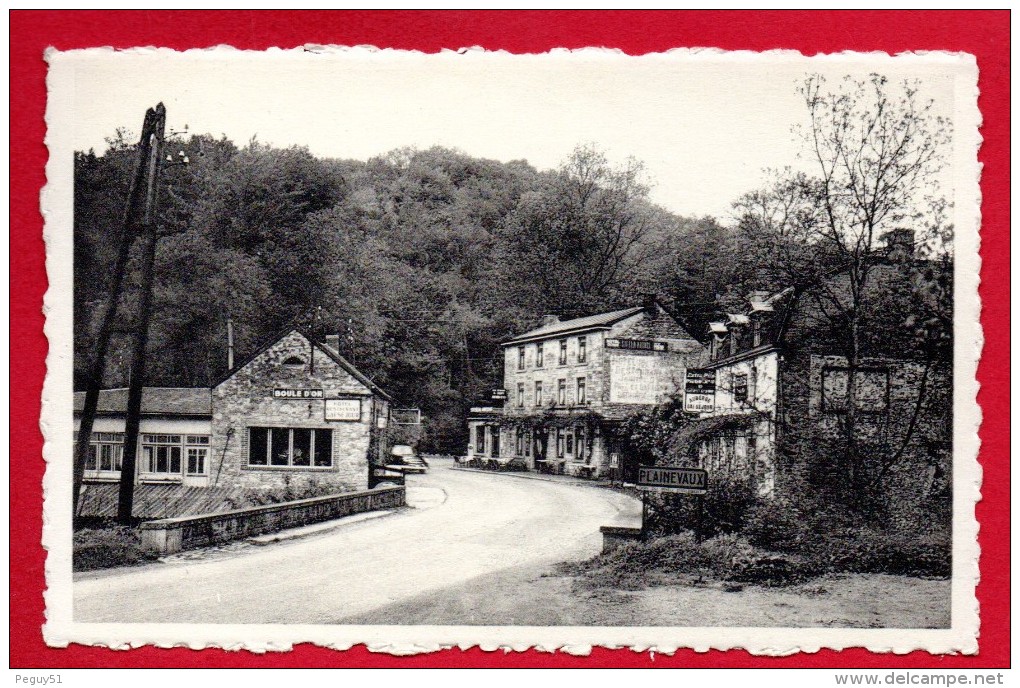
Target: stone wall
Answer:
pixel 170 535
pixel 246 399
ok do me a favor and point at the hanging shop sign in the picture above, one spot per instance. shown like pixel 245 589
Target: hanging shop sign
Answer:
pixel 637 344
pixel 699 390
pixel 283 393
pixel 668 479
pixel 343 409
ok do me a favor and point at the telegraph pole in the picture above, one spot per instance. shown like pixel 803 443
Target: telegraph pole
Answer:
pixel 147 256
pixel 137 191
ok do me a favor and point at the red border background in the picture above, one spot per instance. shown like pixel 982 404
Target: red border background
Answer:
pixel 985 34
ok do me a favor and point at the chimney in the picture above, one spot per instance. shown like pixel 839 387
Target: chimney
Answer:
pixel 333 342
pixel 899 245
pixel 649 303
pixel 550 320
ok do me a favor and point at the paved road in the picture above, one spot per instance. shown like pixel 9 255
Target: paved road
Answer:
pixel 465 525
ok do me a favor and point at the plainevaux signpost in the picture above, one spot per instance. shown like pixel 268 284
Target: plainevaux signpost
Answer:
pixel 691 481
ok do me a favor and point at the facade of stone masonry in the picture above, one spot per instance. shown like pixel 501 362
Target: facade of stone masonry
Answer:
pixel 783 401
pixel 295 414
pixel 568 384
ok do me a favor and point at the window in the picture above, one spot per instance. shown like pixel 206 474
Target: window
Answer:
pixel 520 358
pixel 561 392
pixel 290 447
pixel 538 393
pixel 563 352
pixel 480 439
pixel 539 355
pixel 570 443
pixel 582 349
pixel 581 394
pixel 872 394
pixel 520 442
pixel 198 454
pixel 495 440
pixel 106 451
pixel 527 443
pixel 161 454
pixel 559 444
pixel 756 332
pixel 294 362
pixel 581 448
pixel 520 394
pixel 740 387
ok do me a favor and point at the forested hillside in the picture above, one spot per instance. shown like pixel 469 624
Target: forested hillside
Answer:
pixel 423 261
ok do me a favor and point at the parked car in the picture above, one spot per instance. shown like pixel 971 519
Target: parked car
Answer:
pixel 405 460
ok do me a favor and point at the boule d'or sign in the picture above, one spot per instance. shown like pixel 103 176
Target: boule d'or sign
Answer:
pixel 286 393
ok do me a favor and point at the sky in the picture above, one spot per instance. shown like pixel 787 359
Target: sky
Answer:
pixel 705 124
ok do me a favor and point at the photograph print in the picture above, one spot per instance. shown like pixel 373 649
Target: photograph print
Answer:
pixel 561 350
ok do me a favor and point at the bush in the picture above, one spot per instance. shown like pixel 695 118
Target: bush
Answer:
pixel 835 540
pixel 724 509
pixel 103 548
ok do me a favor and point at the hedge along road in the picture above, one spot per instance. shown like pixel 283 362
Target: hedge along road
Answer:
pixel 485 525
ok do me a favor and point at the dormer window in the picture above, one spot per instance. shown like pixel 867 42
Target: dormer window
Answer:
pixel 294 362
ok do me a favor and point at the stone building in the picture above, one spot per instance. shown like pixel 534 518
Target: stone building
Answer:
pixel 782 411
pixel 294 414
pixel 568 384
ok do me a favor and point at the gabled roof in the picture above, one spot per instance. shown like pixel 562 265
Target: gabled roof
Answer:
pixel 600 321
pixel 156 401
pixel 332 353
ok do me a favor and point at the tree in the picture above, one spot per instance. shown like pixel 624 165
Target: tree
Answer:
pixel 875 151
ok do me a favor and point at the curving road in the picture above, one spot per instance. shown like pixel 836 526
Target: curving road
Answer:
pixel 462 525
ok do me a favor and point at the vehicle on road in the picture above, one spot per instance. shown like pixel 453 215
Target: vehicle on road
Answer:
pixel 405 460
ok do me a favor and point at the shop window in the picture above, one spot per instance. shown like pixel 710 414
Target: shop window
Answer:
pixel 539 355
pixel 197 447
pixel 290 447
pixel 582 396
pixel 106 452
pixel 563 352
pixel 520 358
pixel 161 454
pixel 561 392
pixel 538 393
pixel 582 349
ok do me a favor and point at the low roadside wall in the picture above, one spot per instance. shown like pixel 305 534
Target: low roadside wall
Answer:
pixel 619 535
pixel 169 535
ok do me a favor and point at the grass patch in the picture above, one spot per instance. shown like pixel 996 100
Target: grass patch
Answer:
pixel 103 548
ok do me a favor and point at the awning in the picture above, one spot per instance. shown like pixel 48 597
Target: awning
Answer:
pixel 687 437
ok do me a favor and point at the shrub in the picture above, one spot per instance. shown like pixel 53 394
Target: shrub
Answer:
pixel 724 509
pixel 868 550
pixel 103 548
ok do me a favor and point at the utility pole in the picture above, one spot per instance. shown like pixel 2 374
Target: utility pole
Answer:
pixel 136 192
pixel 147 256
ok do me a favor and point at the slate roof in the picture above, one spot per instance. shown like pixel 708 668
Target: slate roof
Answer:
pixel 99 500
pixel 156 401
pixel 589 322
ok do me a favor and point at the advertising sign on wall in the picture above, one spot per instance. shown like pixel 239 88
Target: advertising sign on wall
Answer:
pixel 343 409
pixel 699 390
